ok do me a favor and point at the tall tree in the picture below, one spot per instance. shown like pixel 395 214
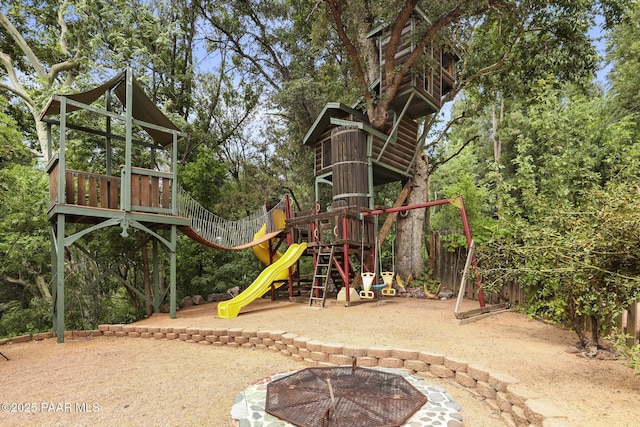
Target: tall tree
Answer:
pixel 503 45
pixel 568 198
pixel 65 45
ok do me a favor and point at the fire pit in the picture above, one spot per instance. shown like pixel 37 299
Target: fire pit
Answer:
pixel 308 389
pixel 343 397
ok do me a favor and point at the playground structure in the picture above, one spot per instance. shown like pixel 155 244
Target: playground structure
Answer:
pixel 351 157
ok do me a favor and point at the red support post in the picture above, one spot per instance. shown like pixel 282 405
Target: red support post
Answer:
pixel 345 256
pixel 467 235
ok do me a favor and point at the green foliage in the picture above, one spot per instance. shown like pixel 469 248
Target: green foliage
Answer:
pixel 559 163
pixel 250 109
pixel 24 228
pixel 203 270
pixel 17 320
pixel 630 353
pixel 624 52
pixel 12 150
pixel 203 179
pixel 448 217
pixel 574 263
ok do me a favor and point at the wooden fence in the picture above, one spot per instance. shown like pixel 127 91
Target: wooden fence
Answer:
pixel 448 265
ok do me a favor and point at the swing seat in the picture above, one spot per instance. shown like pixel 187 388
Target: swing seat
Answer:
pixel 367 282
pixel 387 277
pixel 388 292
pixel 366 294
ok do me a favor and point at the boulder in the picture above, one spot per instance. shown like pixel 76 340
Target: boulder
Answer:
pixel 219 297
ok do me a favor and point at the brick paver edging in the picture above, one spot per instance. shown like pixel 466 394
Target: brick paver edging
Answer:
pixel 514 401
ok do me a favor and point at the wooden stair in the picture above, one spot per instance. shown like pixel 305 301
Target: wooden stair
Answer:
pixel 321 275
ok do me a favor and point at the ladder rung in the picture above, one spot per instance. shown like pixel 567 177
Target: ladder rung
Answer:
pixel 323 265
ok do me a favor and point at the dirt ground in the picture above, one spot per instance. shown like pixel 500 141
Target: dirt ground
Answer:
pixel 136 382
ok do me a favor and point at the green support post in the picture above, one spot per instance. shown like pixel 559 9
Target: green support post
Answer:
pixel 54 273
pixel 172 277
pixel 59 302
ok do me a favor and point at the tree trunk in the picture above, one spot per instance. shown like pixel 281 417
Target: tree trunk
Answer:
pixel 44 288
pixel 410 226
pixel 147 279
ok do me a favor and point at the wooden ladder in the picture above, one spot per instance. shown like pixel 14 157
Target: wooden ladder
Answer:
pixel 321 277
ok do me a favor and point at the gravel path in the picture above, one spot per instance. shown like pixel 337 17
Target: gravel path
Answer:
pixel 127 381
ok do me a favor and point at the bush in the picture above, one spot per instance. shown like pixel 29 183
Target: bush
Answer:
pixel 17 320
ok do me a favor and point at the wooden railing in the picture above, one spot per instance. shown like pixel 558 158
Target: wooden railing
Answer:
pixel 151 190
pixel 85 188
pixel 337 226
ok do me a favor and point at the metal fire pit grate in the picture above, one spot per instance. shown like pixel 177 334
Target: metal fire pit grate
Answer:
pixel 361 398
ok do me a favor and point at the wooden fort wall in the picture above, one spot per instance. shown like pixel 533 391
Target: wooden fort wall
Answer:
pixel 396 154
pixel 430 81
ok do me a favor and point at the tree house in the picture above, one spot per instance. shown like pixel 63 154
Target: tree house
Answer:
pixel 352 157
pixel 379 157
pixel 140 194
pixel 426 82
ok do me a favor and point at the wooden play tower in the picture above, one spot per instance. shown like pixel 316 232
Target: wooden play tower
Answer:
pixel 352 157
pixel 123 194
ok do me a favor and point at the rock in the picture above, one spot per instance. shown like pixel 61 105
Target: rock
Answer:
pixel 234 291
pixel 605 355
pixel 572 349
pixel 446 293
pixel 197 300
pixel 217 297
pixel 592 351
pixel 415 292
pixel 186 302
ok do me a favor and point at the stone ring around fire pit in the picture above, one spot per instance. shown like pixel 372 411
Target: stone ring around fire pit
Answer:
pixel 440 409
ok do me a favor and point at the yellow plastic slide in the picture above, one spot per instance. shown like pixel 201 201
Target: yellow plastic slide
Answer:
pixel 273 273
pixel 262 249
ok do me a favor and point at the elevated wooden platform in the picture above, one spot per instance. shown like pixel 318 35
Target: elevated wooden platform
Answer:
pixel 90 198
pixel 139 198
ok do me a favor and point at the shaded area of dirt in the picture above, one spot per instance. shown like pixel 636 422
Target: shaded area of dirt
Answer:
pixel 170 382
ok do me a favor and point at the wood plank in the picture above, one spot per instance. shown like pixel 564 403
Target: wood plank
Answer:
pixel 135 190
pixel 155 191
pixel 69 185
pixel 388 223
pixel 633 326
pixel 93 191
pixel 166 193
pixel 82 189
pixel 104 192
pixel 53 183
pixel 113 190
pixel 482 310
pixel 144 191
